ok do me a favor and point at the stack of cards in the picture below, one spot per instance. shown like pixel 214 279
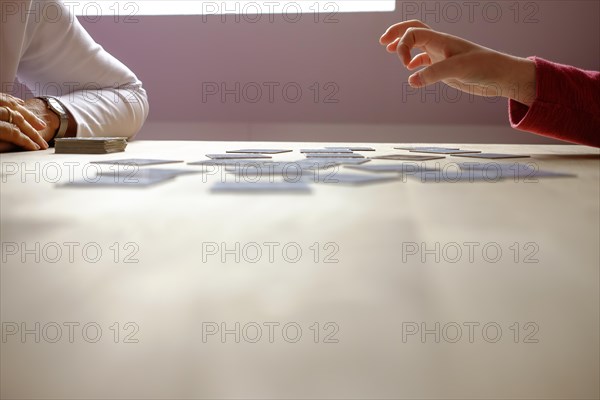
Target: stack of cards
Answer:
pixel 90 145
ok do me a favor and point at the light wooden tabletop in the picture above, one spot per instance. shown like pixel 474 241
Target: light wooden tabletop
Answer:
pixel 397 290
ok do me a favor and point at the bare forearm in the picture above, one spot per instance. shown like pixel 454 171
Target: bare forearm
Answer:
pixel 519 83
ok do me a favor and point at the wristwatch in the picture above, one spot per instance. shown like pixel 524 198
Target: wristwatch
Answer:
pixel 57 107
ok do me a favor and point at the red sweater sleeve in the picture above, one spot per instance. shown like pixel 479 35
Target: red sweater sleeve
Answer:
pixel 566 107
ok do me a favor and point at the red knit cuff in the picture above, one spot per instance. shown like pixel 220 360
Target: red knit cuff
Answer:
pixel 524 117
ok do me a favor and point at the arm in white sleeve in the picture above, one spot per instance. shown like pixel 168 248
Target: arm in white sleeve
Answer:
pixel 103 95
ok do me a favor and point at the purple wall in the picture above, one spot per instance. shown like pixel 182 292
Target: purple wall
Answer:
pixel 176 56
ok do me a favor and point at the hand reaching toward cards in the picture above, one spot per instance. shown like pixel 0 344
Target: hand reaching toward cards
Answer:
pixel 460 64
pixel 20 126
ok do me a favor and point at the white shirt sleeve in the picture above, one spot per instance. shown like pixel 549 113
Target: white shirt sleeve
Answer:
pixel 104 96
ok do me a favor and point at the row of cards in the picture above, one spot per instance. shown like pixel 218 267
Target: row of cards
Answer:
pixel 294 177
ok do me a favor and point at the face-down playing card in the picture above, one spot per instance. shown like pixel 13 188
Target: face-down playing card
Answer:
pixel 140 162
pixel 491 156
pixel 445 151
pixel 237 156
pixel 351 148
pixel 259 151
pixel 406 157
pixel 333 155
pixel 338 150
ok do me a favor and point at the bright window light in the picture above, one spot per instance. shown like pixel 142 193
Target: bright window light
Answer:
pixel 193 7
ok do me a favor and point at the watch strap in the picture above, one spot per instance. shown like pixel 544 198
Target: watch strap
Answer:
pixel 63 116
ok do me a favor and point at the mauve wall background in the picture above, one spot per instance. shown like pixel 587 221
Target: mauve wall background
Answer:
pixel 175 55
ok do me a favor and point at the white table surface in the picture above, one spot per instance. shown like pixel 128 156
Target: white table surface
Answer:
pixel 370 297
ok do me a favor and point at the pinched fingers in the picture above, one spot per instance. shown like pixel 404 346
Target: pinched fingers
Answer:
pixel 421 60
pixel 447 69
pixel 395 32
pixel 421 38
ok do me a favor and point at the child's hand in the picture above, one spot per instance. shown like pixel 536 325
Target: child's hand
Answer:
pixel 459 63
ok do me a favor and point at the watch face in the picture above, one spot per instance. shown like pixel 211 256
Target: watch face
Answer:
pixel 56 105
